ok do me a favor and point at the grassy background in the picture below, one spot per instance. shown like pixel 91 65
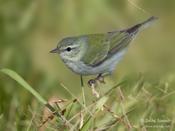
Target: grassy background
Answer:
pixel 30 29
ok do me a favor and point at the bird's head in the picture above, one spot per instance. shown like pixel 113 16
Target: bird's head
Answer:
pixel 71 48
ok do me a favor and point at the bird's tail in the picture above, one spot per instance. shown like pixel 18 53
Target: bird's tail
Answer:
pixel 141 26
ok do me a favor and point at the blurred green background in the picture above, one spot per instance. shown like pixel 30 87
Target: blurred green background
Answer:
pixel 30 29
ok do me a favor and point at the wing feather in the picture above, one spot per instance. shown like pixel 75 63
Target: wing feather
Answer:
pixel 98 48
pixel 103 46
pixel 117 41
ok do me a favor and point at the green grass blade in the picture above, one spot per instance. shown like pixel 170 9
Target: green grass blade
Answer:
pixel 69 108
pixel 114 87
pixel 24 84
pixel 87 124
pixel 99 105
pixel 101 102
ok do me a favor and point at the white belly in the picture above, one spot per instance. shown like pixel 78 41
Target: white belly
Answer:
pixel 107 66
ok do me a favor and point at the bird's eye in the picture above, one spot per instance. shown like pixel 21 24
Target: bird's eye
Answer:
pixel 68 49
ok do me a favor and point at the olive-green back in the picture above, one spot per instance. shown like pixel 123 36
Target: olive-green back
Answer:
pixel 97 50
pixel 103 46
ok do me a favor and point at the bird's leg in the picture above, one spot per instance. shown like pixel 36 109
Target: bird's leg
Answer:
pixel 100 78
pixel 92 83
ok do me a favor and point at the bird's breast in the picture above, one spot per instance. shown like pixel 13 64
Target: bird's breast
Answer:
pixel 108 65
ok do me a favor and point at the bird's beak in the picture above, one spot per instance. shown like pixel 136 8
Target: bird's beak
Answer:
pixel 54 50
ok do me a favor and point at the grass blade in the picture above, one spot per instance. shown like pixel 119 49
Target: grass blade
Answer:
pixel 24 84
pixel 87 124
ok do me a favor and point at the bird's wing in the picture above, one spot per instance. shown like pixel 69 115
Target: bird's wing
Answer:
pixel 103 46
pixel 97 49
pixel 117 41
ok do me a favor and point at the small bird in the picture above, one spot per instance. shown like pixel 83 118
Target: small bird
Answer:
pixel 98 54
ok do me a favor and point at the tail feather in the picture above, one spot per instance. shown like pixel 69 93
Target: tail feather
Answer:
pixel 141 26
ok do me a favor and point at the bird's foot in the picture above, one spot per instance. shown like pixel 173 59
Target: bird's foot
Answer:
pixel 93 84
pixel 100 78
